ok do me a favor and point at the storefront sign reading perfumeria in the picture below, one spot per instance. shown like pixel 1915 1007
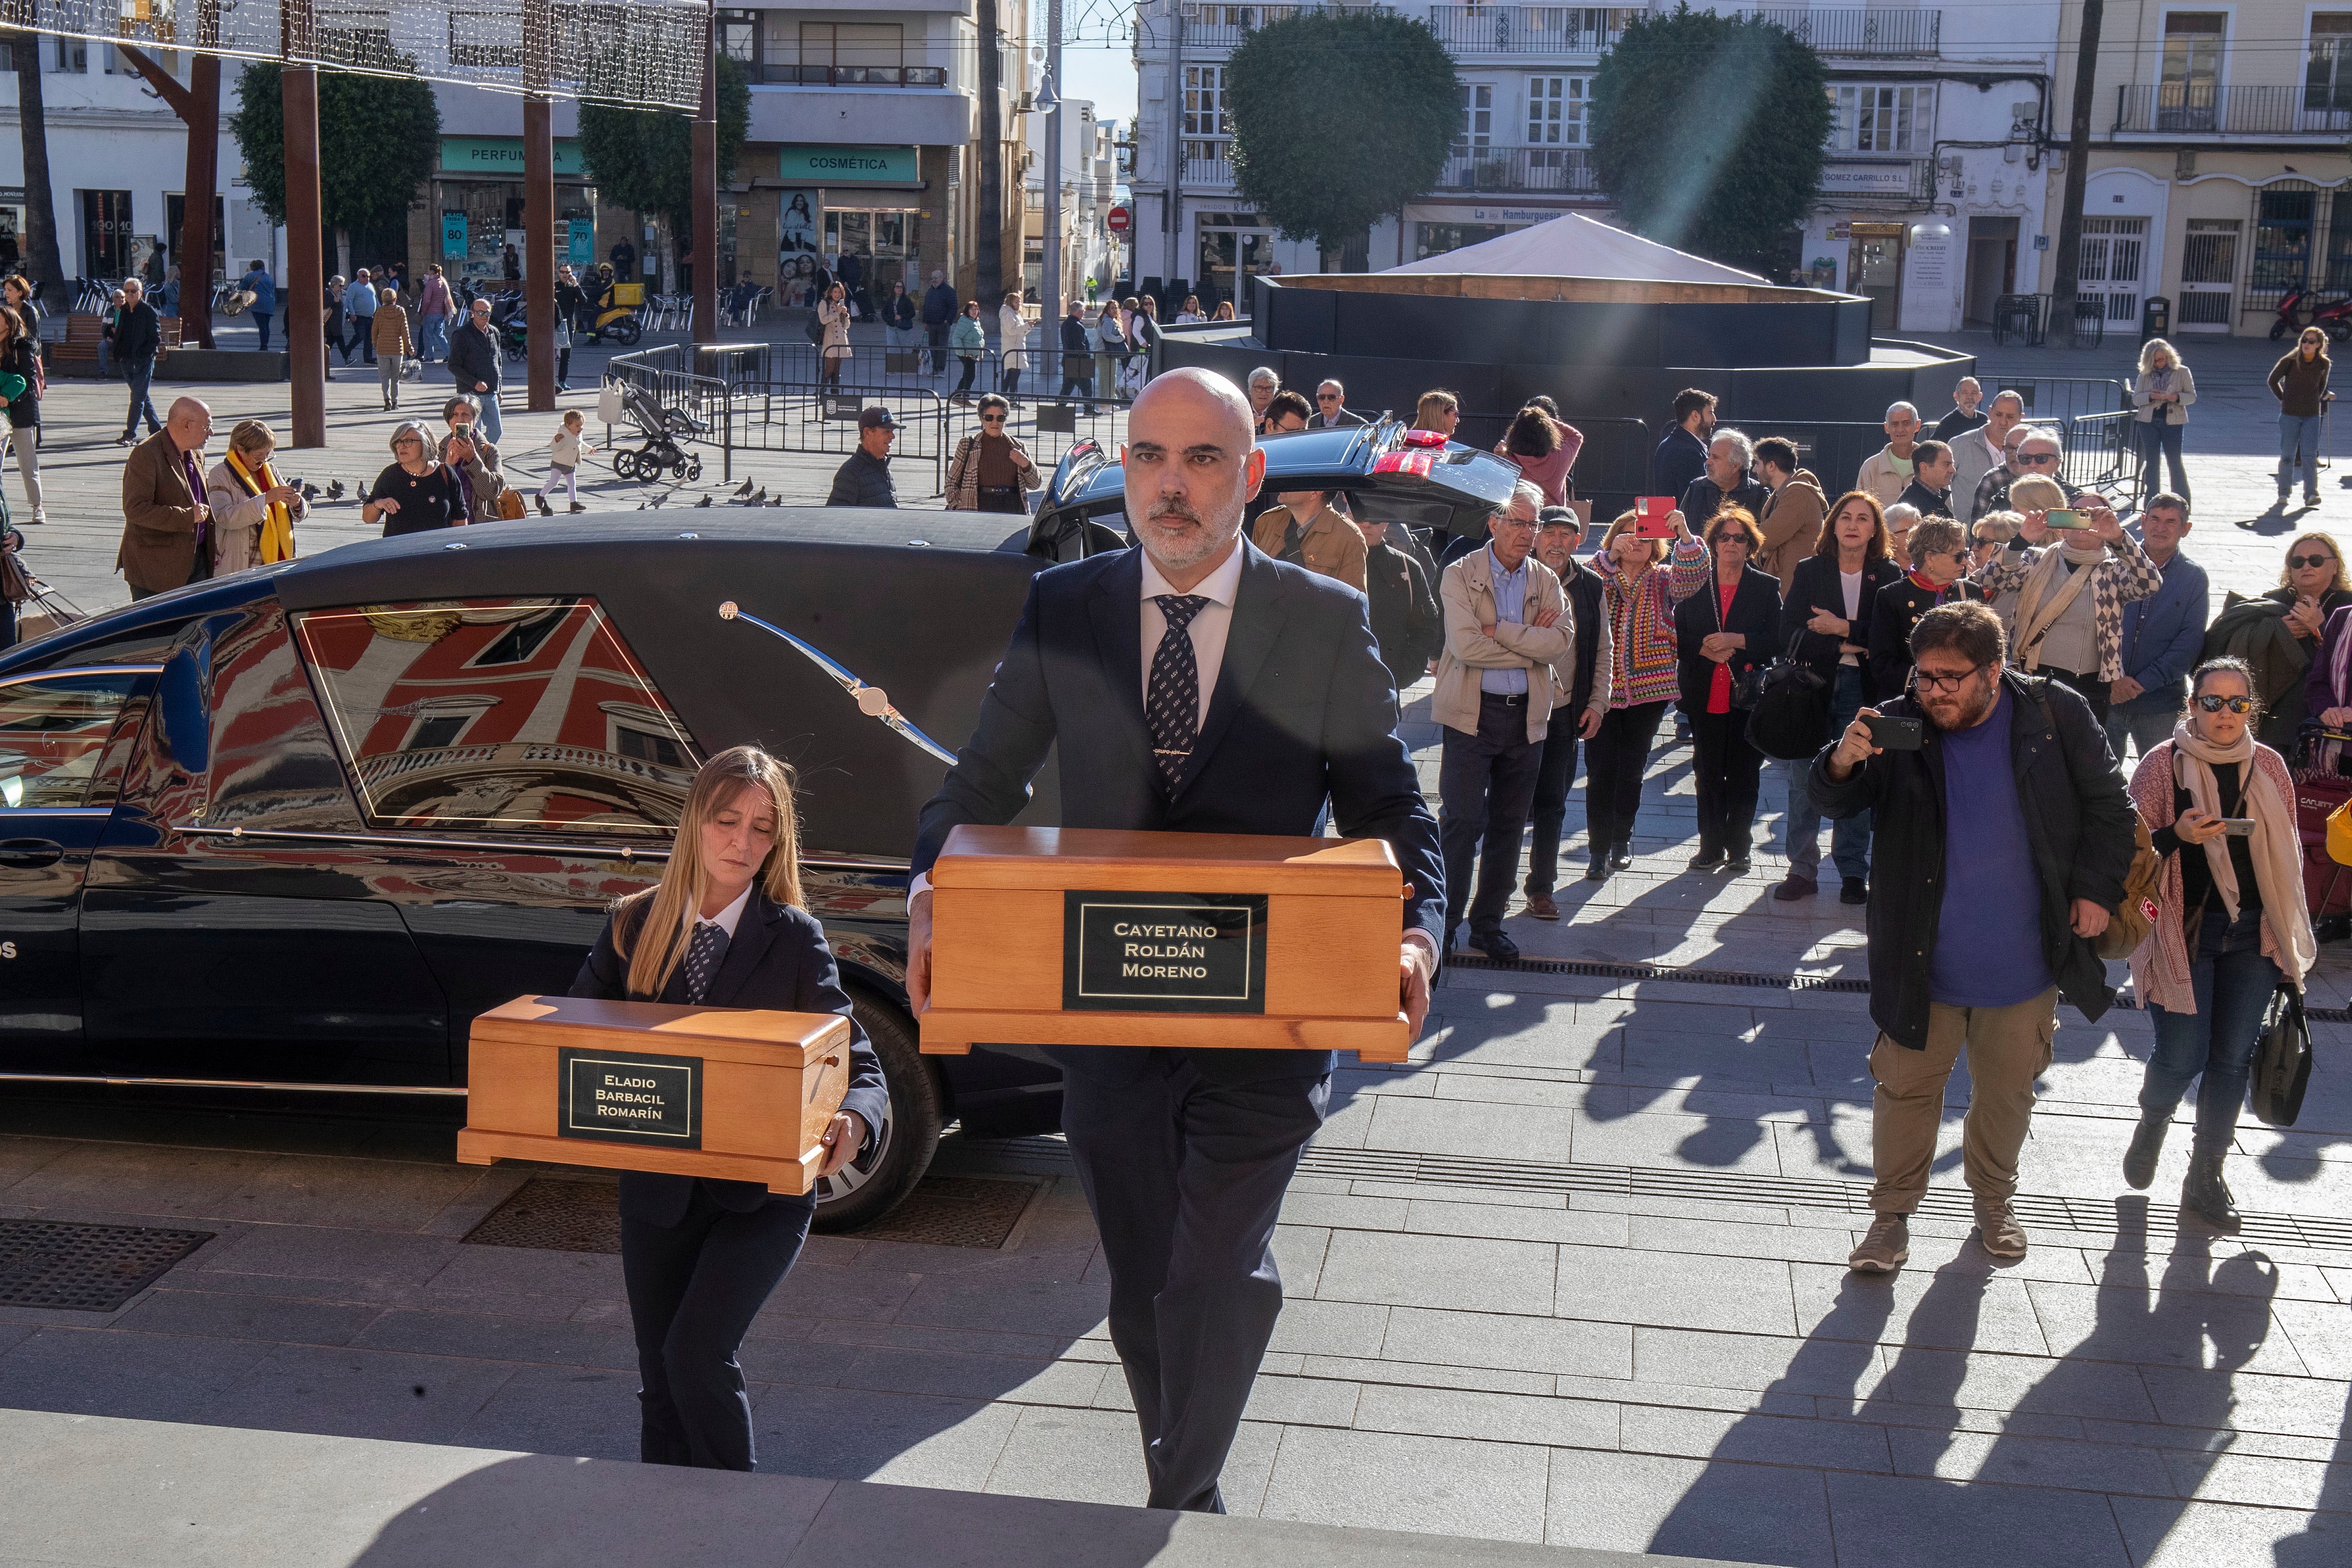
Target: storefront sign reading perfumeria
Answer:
pixel 502 155
pixel 846 165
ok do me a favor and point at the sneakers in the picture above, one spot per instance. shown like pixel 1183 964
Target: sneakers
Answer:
pixel 1621 855
pixel 1998 1230
pixel 1739 866
pixel 1885 1248
pixel 1853 890
pixel 1793 887
pixel 1540 905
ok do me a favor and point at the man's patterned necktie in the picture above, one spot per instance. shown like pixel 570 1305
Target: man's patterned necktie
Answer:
pixel 1171 706
pixel 702 959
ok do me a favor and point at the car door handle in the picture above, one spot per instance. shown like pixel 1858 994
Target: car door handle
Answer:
pixel 30 854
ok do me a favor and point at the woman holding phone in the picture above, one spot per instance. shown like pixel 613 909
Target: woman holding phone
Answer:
pixel 2074 568
pixel 1640 600
pixel 725 927
pixel 2230 924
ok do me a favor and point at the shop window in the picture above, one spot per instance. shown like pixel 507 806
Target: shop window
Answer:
pixel 496 716
pixel 1437 239
pixel 51 732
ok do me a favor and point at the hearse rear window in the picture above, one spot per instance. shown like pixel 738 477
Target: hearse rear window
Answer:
pixel 499 714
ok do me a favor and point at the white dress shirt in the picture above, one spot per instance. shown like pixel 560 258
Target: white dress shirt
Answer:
pixel 1209 628
pixel 726 918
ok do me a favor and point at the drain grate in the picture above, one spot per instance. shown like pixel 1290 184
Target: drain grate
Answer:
pixel 585 1217
pixel 956 1211
pixel 555 1216
pixel 1748 979
pixel 2097 1216
pixel 85 1267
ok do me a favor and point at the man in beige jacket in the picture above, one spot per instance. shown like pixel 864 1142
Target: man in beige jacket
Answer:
pixel 1792 520
pixel 1308 530
pixel 1886 471
pixel 1506 624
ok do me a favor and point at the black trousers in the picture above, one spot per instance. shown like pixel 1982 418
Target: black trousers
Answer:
pixel 2094 690
pixel 938 334
pixel 693 1288
pixel 1615 761
pixel 1186 1177
pixel 1553 777
pixel 1485 783
pixel 1724 768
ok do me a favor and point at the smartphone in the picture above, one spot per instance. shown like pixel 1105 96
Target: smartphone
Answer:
pixel 1653 511
pixel 1891 732
pixel 2066 520
pixel 2238 827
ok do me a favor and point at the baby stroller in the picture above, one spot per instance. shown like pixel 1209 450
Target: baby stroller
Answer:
pixel 662 428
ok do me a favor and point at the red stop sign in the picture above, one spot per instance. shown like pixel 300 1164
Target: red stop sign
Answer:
pixel 1118 220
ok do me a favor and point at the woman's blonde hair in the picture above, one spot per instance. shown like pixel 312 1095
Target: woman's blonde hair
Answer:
pixel 1625 525
pixel 251 435
pixel 2148 355
pixel 1998 527
pixel 2035 492
pixel 665 910
pixel 2287 573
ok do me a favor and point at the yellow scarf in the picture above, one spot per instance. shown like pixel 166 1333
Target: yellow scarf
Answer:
pixel 277 529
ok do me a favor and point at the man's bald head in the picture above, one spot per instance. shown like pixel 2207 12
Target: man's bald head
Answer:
pixel 190 422
pixel 1191 463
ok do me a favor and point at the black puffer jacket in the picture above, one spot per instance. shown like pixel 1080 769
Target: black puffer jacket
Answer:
pixel 2078 819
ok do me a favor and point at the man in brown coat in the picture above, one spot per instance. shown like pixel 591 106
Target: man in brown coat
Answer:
pixel 166 540
pixel 1792 520
pixel 1308 530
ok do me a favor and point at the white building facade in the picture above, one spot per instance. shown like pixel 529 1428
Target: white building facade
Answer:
pixel 1932 200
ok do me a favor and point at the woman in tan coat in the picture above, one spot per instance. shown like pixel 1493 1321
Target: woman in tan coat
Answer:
pixel 393 345
pixel 833 315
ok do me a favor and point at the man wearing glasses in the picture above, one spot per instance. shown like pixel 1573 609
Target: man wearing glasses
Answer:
pixel 1331 408
pixel 2031 450
pixel 2007 827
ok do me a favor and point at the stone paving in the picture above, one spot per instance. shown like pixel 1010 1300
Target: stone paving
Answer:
pixel 1575 1274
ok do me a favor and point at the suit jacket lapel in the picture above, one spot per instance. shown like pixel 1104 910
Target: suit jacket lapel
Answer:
pixel 1117 612
pixel 754 933
pixel 1256 622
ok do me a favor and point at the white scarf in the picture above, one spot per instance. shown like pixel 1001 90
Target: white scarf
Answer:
pixel 2275 847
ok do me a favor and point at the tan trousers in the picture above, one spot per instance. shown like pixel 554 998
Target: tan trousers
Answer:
pixel 2008 1048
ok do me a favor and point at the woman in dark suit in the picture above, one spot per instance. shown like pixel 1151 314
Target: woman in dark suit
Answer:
pixel 724 928
pixel 1727 628
pixel 1831 593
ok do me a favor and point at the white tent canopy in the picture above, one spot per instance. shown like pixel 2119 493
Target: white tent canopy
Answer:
pixel 1574 245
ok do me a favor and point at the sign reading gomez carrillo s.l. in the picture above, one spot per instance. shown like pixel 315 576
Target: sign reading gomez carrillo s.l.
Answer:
pixel 1161 952
pixel 631 1097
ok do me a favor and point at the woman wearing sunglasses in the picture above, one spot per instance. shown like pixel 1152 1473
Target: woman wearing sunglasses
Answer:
pixel 991 471
pixel 2229 928
pixel 2299 382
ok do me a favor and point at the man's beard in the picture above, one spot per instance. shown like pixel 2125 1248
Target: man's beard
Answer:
pixel 1963 710
pixel 1175 536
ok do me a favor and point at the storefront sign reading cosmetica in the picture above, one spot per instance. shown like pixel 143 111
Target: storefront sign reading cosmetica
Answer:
pixel 1158 952
pixel 846 165
pixel 630 1097
pixel 502 155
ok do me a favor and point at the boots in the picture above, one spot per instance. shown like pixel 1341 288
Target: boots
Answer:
pixel 2205 1194
pixel 2147 1144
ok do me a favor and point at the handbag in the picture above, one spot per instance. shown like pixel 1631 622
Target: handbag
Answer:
pixel 2282 1060
pixel 510 506
pixel 1788 711
pixel 1748 684
pixel 2135 917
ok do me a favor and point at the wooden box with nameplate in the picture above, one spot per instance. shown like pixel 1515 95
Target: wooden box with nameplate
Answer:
pixel 734 1094
pixel 1088 936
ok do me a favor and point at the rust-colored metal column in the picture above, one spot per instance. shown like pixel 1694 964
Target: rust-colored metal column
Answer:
pixel 305 283
pixel 539 198
pixel 706 189
pixel 195 241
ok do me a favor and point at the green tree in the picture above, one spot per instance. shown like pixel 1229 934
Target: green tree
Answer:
pixel 1339 121
pixel 643 159
pixel 379 138
pixel 1708 131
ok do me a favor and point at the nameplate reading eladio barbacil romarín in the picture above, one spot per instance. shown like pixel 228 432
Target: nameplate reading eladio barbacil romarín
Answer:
pixel 1163 952
pixel 631 1097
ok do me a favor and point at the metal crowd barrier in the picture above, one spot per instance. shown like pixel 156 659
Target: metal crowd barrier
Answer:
pixel 822 416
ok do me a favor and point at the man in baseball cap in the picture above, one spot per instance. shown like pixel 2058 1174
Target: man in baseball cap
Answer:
pixel 865 479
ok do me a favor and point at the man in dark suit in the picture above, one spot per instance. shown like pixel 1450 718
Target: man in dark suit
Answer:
pixel 138 338
pixel 1193 685
pixel 1331 409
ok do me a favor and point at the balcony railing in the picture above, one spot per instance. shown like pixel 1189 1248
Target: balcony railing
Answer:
pixel 1207 163
pixel 1866 32
pixel 1529 29
pixel 1210 27
pixel 2207 109
pixel 1514 169
pixel 772 75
